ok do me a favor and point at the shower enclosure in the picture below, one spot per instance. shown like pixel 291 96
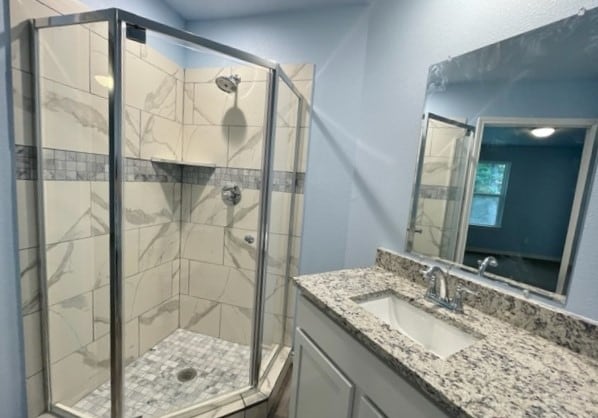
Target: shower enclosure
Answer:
pixel 169 216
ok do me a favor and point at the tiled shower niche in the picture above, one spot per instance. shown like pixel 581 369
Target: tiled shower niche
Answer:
pixel 186 262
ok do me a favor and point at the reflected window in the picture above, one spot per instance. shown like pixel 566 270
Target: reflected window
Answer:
pixel 489 193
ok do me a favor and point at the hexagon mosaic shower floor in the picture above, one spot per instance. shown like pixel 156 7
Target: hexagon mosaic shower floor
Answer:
pixel 152 388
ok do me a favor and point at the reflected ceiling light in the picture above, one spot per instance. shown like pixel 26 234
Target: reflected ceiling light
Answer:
pixel 543 132
pixel 105 81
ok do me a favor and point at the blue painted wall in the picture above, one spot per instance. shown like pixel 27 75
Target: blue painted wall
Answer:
pixel 12 367
pixel 334 40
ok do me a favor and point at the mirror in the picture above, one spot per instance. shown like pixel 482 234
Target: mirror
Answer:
pixel 507 156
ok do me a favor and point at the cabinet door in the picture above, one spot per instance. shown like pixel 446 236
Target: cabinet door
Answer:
pixel 366 409
pixel 320 390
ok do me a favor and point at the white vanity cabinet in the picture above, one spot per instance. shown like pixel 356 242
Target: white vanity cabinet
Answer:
pixel 334 376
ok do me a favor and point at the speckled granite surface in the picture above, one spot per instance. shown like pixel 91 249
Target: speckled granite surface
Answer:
pixel 509 372
pixel 576 333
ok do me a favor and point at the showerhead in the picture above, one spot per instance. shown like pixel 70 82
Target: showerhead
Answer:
pixel 228 84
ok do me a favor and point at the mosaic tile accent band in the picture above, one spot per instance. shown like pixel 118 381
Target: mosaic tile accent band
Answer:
pixel 282 181
pixel 427 191
pixel 82 166
pixel 26 168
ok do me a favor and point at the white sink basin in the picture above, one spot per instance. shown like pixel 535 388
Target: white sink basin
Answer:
pixel 432 333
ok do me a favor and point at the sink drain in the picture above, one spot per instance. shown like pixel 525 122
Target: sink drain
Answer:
pixel 186 375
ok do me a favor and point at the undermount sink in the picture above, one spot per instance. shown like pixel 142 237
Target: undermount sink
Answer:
pixel 432 333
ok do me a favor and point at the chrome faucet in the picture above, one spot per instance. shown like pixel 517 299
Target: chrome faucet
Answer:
pixel 437 290
pixel 488 261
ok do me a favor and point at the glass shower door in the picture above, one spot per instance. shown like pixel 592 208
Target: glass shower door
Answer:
pixel 72 137
pixel 437 207
pixel 195 138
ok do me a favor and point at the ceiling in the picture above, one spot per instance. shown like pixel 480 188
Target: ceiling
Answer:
pixel 222 9
pixel 516 136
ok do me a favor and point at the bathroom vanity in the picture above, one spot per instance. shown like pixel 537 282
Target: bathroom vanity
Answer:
pixel 522 359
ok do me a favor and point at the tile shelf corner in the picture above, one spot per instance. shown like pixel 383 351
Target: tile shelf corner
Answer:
pixel 187 163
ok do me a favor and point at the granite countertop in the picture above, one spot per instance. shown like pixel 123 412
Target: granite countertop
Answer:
pixel 508 372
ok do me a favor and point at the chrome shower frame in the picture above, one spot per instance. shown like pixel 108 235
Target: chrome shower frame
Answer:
pixel 116 20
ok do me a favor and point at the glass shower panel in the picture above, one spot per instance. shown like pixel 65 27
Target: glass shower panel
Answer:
pixel 73 145
pixel 442 187
pixel 283 231
pixel 194 127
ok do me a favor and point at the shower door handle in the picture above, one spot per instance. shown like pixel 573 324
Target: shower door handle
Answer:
pixel 249 239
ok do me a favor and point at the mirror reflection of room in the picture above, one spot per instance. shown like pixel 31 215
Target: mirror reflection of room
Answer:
pixel 522 201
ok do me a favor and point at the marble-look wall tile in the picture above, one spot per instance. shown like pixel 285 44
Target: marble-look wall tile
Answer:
pixel 70 267
pixel 273 329
pixel 36 403
pixel 154 57
pixel 158 244
pixel 437 171
pixel 277 253
pixel 202 243
pixel 148 204
pixel 32 339
pixel 188 97
pixel 100 205
pixel 176 277
pixel 222 284
pixel 235 324
pixel 205 75
pixel 246 107
pixel 29 280
pixel 284 149
pixel 68 210
pixel 20 12
pixel 205 144
pixel 432 212
pixel 72 119
pixel 184 276
pixel 249 73
pixel 200 315
pixel 99 69
pixel 287 107
pixel 23 108
pixel 27 213
pixel 92 366
pixel 61 49
pixel 158 323
pixel 147 289
pixel 142 292
pixel 280 212
pixel 101 257
pixel 238 252
pixel 208 208
pixel 291 297
pixel 297 72
pixel 275 294
pixel 428 242
pixel 154 93
pixel 180 101
pixel 160 137
pixel 303 149
pixel 71 325
pixel 246 147
pixel 132 126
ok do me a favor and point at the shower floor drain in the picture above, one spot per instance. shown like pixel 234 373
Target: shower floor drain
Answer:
pixel 186 375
